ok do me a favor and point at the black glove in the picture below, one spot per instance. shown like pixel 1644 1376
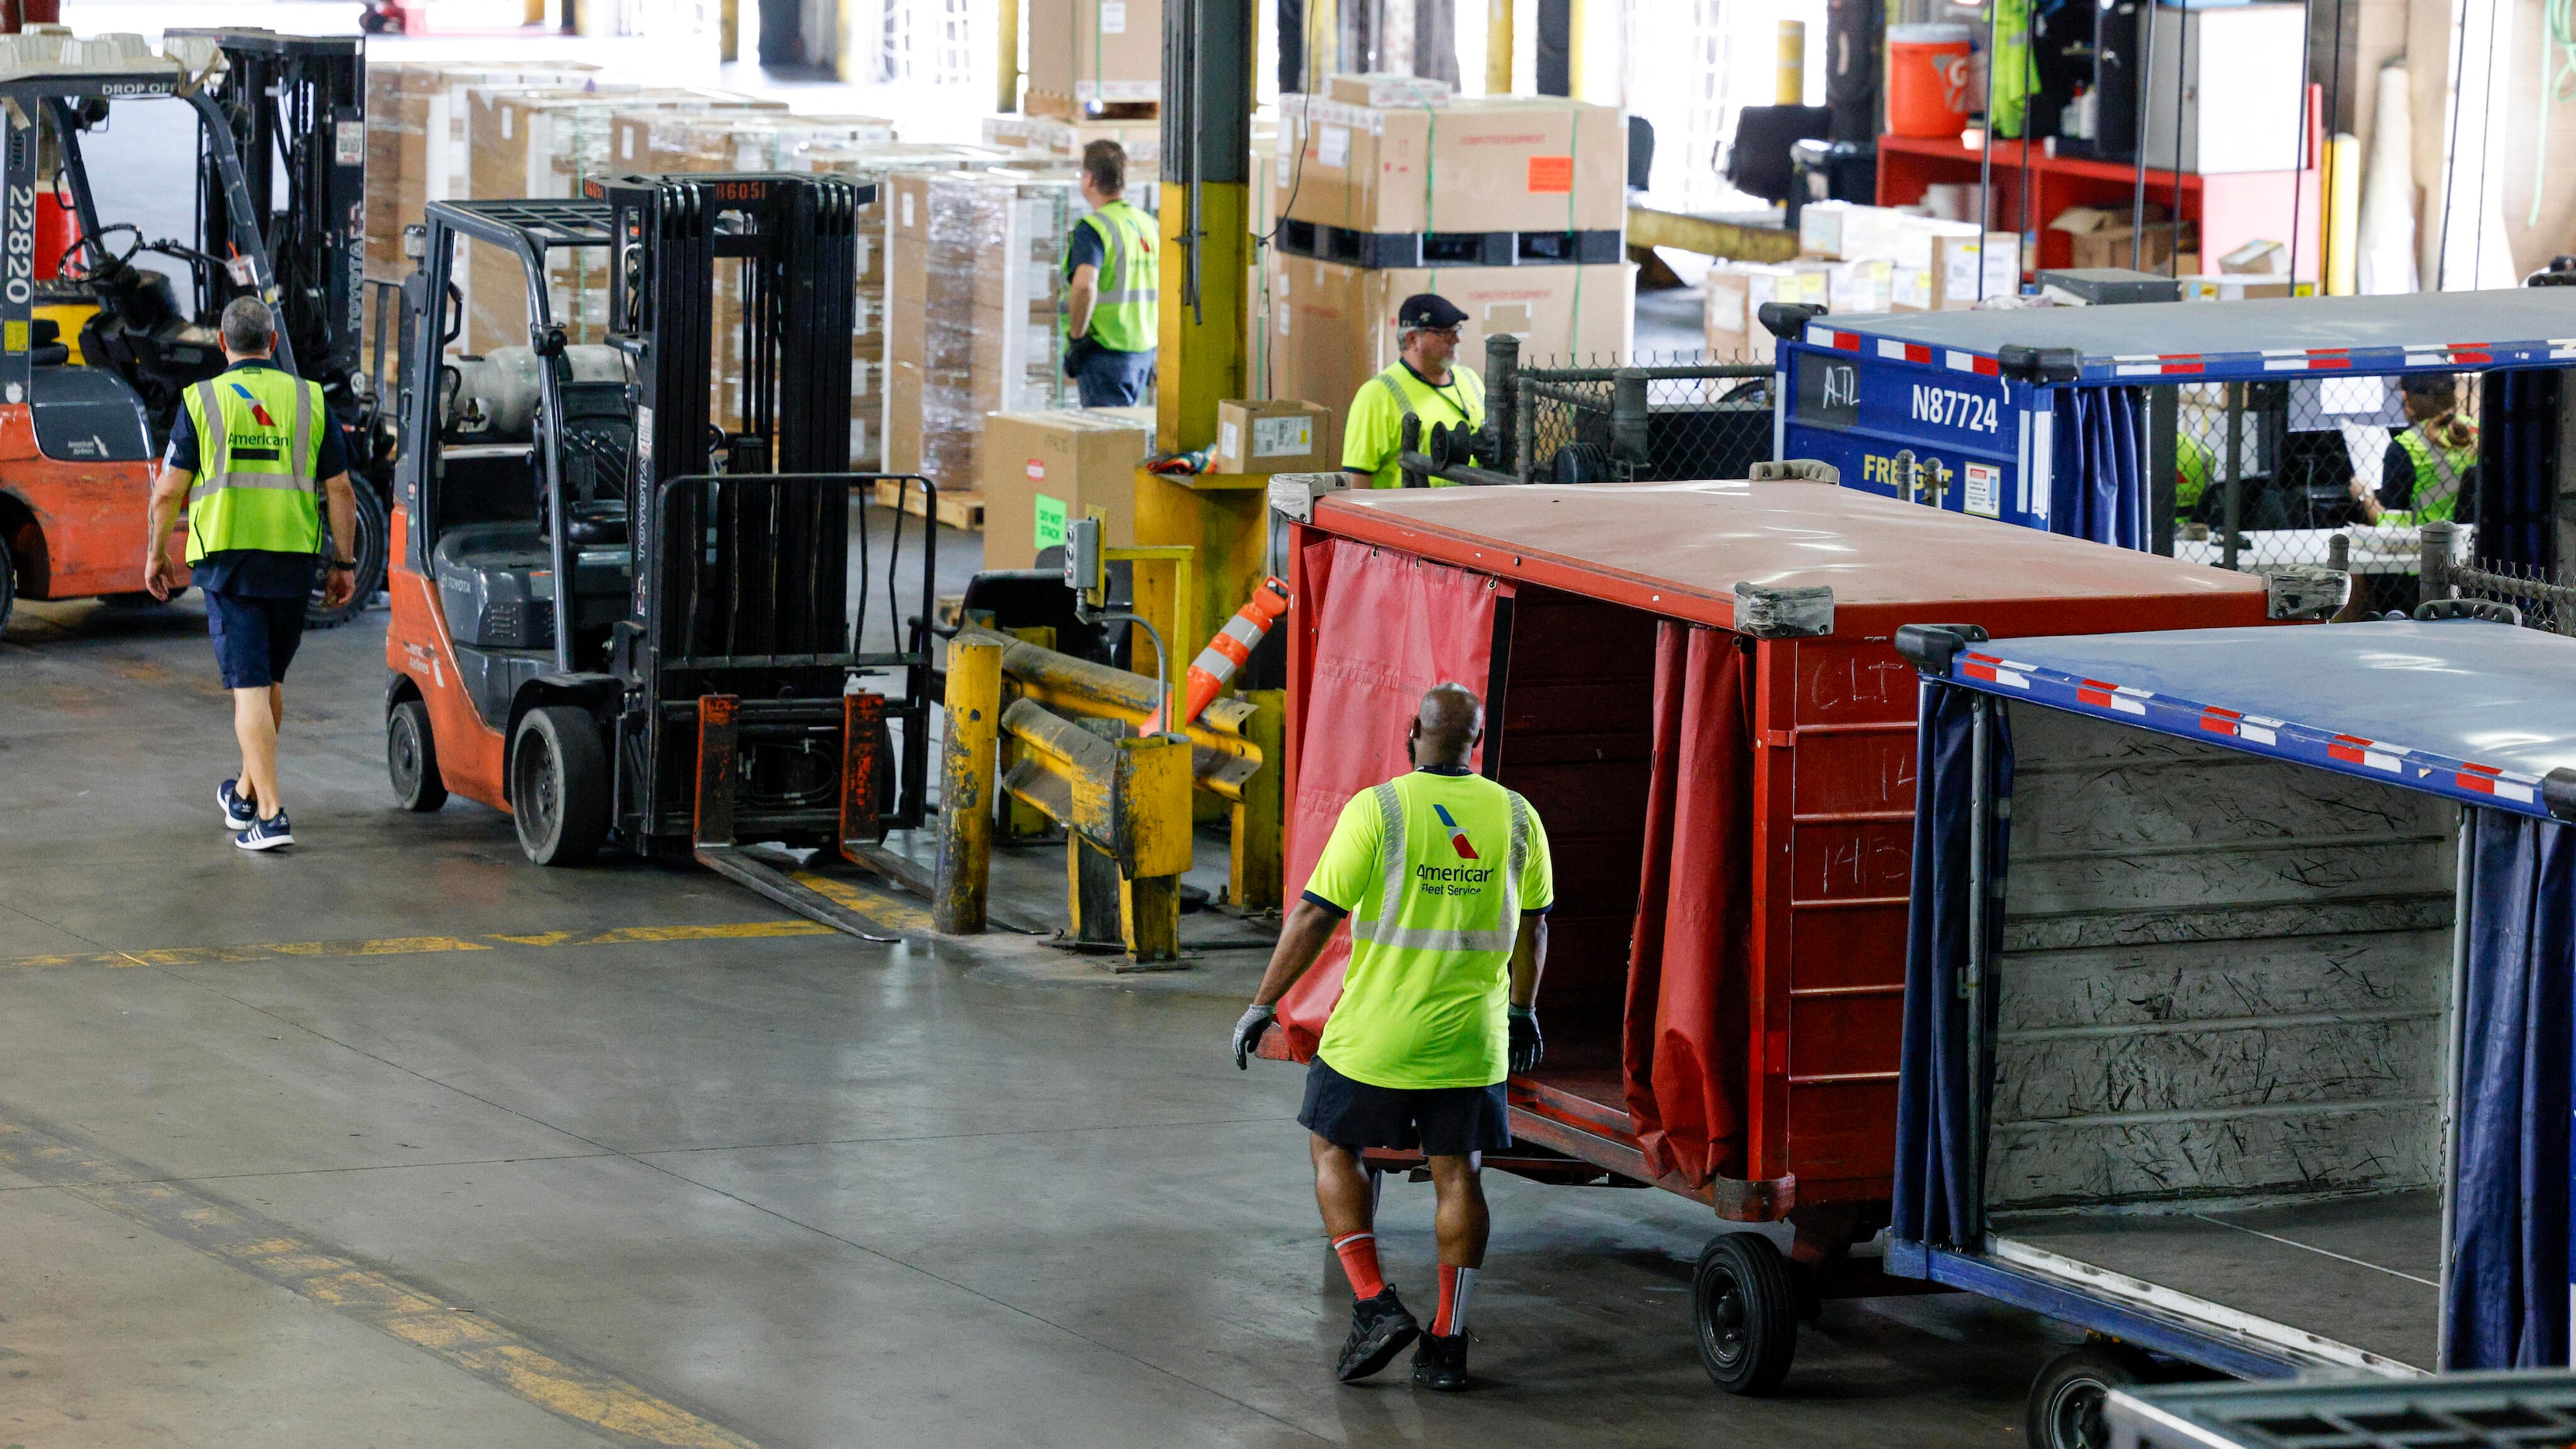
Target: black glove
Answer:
pixel 1527 1048
pixel 1247 1032
pixel 1076 353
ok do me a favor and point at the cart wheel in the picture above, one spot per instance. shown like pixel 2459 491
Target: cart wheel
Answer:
pixel 1746 1312
pixel 2066 1400
pixel 411 758
pixel 559 785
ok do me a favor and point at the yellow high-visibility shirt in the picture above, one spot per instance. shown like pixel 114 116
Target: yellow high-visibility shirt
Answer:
pixel 1373 436
pixel 1435 871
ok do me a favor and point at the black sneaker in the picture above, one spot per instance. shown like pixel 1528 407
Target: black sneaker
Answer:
pixel 266 834
pixel 239 814
pixel 1440 1362
pixel 1380 1328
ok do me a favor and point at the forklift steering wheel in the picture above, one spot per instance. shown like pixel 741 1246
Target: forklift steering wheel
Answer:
pixel 95 249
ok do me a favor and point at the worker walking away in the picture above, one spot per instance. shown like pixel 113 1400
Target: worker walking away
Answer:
pixel 246 452
pixel 1445 878
pixel 2430 471
pixel 1427 381
pixel 1113 319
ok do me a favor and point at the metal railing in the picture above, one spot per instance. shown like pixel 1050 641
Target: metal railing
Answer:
pixel 1633 423
pixel 2540 603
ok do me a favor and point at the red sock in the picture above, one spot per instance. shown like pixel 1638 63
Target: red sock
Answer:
pixel 1359 1263
pixel 1457 1285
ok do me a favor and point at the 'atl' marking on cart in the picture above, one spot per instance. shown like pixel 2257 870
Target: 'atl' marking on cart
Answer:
pixel 890 914
pixel 329 1277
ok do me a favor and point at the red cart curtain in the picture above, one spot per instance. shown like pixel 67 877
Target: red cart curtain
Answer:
pixel 1388 627
pixel 1683 1055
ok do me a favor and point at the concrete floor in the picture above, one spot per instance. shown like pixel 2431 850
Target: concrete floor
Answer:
pixel 302 1150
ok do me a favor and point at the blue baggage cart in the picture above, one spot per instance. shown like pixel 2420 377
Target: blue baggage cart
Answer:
pixel 2240 999
pixel 2040 417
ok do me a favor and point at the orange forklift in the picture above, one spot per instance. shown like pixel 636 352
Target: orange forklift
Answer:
pixel 94 359
pixel 627 604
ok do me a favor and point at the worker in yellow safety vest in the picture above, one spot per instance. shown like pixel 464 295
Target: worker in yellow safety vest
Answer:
pixel 1445 879
pixel 2430 470
pixel 1427 381
pixel 257 448
pixel 1113 313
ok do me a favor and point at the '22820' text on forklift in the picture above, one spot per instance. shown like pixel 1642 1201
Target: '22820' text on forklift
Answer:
pixel 616 617
pixel 94 359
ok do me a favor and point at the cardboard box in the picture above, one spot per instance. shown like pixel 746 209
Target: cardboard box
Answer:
pixel 1333 326
pixel 2232 287
pixel 1105 52
pixel 1054 136
pixel 663 139
pixel 1495 163
pixel 1733 296
pixel 1042 469
pixel 1388 88
pixel 1948 266
pixel 1846 231
pixel 2098 236
pixel 1270 436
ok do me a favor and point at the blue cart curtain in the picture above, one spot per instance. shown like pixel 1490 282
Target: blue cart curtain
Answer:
pixel 2518 468
pixel 1936 1153
pixel 2098 471
pixel 2509 1233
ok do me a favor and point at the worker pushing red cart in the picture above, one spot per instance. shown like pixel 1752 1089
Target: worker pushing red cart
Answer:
pixel 1694 685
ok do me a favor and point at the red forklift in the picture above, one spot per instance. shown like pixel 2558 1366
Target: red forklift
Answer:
pixel 95 357
pixel 632 607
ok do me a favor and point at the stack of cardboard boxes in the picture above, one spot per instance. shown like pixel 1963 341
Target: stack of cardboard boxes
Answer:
pixel 1095 59
pixel 974 286
pixel 1859 259
pixel 1512 207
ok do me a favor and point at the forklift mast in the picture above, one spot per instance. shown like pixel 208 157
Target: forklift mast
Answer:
pixel 297 105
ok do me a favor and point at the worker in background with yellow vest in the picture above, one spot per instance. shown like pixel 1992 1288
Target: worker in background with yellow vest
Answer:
pixel 256 446
pixel 2430 470
pixel 1427 381
pixel 1445 879
pixel 1113 319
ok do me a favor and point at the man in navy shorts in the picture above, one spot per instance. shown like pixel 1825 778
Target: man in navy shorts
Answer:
pixel 256 445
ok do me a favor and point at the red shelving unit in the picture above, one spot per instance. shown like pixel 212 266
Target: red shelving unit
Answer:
pixel 2231 209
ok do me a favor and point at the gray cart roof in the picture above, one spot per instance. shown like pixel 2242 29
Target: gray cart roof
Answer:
pixel 2225 341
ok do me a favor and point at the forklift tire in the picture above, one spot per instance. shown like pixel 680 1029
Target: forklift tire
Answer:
pixel 8 583
pixel 2066 1399
pixel 559 785
pixel 374 530
pixel 411 759
pixel 1746 1312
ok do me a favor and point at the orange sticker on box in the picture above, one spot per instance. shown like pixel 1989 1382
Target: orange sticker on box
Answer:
pixel 1551 173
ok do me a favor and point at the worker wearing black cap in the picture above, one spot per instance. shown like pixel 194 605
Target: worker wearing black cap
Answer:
pixel 1426 382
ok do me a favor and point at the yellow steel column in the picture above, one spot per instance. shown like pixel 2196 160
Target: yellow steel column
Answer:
pixel 1202 348
pixel 1260 821
pixel 1498 47
pixel 1006 73
pixel 1789 88
pixel 1575 21
pixel 966 787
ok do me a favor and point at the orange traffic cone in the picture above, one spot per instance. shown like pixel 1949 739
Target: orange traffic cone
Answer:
pixel 1226 652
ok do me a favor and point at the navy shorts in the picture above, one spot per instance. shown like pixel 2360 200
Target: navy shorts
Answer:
pixel 255 638
pixel 1441 1121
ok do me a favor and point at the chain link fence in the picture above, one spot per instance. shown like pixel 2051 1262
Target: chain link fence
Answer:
pixel 1638 421
pixel 2338 472
pixel 2541 600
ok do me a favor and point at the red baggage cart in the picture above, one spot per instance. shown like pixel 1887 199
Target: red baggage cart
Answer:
pixel 1694 685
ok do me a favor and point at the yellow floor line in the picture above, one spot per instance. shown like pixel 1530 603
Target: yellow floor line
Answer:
pixel 894 916
pixel 880 910
pixel 323 1275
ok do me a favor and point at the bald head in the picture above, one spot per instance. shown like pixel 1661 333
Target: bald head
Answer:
pixel 1447 725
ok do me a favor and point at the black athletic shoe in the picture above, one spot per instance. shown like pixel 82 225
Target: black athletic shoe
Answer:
pixel 1440 1362
pixel 1380 1328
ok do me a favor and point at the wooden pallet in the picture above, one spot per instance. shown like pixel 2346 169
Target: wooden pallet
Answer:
pixel 956 510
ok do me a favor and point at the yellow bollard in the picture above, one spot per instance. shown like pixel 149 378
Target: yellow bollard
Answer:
pixel 1790 87
pixel 966 787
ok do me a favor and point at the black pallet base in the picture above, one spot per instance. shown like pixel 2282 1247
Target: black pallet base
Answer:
pixel 1449 248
